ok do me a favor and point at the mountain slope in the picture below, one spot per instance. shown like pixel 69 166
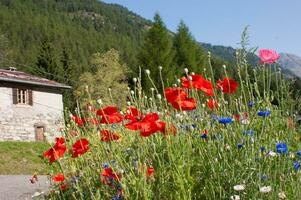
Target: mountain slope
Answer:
pixel 291 63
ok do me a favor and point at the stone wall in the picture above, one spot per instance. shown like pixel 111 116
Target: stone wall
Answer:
pixel 18 122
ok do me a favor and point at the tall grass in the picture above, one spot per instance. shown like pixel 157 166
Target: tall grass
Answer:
pixel 190 165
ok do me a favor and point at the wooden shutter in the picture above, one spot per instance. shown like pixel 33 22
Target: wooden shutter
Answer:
pixel 30 101
pixel 15 100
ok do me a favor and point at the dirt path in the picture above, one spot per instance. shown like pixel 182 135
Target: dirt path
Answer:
pixel 18 187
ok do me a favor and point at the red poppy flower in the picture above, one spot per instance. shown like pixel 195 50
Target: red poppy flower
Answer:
pixel 56 151
pixel 107 136
pixel 227 85
pixel 198 82
pixel 150 171
pixel 58 178
pixel 148 125
pixel 109 175
pixel 212 104
pixel 186 104
pixel 175 94
pixel 178 98
pixel 133 114
pixel 78 120
pixel 34 179
pixel 109 115
pixel 236 117
pixel 63 187
pixel 80 147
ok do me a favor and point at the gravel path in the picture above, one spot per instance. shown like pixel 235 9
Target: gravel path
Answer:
pixel 18 187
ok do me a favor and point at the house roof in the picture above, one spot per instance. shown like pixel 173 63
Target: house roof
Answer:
pixel 14 76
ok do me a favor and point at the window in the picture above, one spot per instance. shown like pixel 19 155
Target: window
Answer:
pixel 22 96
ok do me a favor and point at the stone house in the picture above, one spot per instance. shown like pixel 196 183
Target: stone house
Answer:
pixel 31 108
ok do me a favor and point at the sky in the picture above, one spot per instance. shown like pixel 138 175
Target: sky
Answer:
pixel 273 24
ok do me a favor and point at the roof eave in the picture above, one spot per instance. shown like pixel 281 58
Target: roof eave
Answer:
pixel 35 83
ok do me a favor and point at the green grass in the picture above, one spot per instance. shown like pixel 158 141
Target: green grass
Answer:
pixel 23 158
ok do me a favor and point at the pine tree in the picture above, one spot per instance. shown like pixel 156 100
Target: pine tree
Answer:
pixel 188 52
pixel 157 51
pixel 46 64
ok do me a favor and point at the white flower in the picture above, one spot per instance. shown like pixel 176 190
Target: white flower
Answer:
pixel 271 153
pixel 37 194
pixel 186 70
pixel 179 80
pixel 281 195
pixel 160 68
pixel 235 197
pixel 265 189
pixel 239 187
pixel 192 73
pixel 227 147
pixel 245 122
pixel 134 80
pixel 128 103
pixel 99 101
pixel 147 71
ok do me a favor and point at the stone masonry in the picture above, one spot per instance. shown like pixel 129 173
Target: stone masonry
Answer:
pixel 19 122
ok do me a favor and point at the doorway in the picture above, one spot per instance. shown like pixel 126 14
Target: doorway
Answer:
pixel 39 131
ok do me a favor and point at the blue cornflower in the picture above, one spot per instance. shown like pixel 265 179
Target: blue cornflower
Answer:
pixel 263 177
pixel 296 165
pixel 225 120
pixel 239 145
pixel 117 197
pixel 214 117
pixel 264 113
pixel 251 104
pixel 249 132
pixel 281 148
pixel 204 136
pixel 262 149
pixel 105 165
pixel 299 153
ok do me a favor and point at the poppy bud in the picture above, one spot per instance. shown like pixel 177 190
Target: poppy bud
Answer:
pixel 134 80
pixel 160 68
pixel 99 101
pixel 224 66
pixel 186 70
pixel 147 71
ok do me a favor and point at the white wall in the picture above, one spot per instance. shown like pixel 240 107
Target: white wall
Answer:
pixel 17 122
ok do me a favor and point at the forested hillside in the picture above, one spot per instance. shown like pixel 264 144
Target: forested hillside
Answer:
pixel 65 40
pixel 78 27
